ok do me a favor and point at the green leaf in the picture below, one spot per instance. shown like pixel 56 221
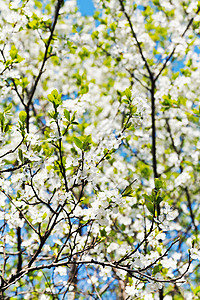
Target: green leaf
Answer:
pixel 6 128
pixel 158 183
pixel 73 117
pixel 67 114
pixel 19 59
pixel 22 116
pixel 147 197
pixel 87 142
pixel 84 89
pixel 2 118
pixel 55 98
pixel 133 109
pixel 103 232
pixel 14 55
pixel 128 192
pixel 8 108
pixel 158 200
pixel 197 290
pixel 113 26
pixel 157 269
pixel 33 24
pixel 53 114
pixel 54 93
pixel 150 207
pixel 13 52
pixel 50 97
pixel 78 142
pixel 128 93
pixel 44 216
pixel 24 82
pixel 123 227
pixel 20 155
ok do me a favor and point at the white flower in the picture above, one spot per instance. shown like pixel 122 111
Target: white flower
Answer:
pixel 112 247
pixel 102 220
pixel 62 271
pixel 32 138
pixel 171 214
pixel 168 297
pixel 195 253
pixel 93 279
pixel 15 4
pixel 141 104
pixel 44 297
pixel 12 17
pixel 14 220
pixel 182 178
pixel 131 290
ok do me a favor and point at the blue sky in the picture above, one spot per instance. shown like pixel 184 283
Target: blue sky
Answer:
pixel 86 7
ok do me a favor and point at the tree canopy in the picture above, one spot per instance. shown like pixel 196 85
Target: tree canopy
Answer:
pixel 99 170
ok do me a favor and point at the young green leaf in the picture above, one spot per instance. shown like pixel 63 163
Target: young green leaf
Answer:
pixel 158 183
pixel 128 93
pixel 8 108
pixel 87 142
pixel 78 142
pixel 7 126
pixel 67 114
pixel 22 116
pixel 150 207
pixel 54 93
pixel 158 200
pixel 128 192
pixel 20 155
pixel 55 98
pixel 148 198
pixel 157 269
pixel 13 52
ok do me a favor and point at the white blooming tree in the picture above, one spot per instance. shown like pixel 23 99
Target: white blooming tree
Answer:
pixel 99 174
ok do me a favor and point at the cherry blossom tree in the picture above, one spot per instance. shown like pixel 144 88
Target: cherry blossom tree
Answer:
pixel 99 176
